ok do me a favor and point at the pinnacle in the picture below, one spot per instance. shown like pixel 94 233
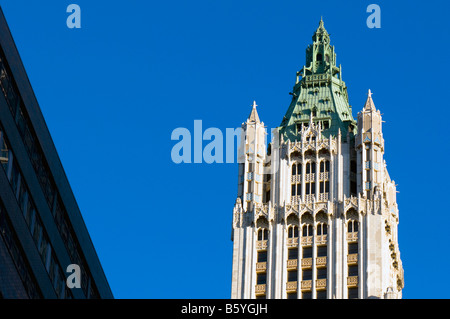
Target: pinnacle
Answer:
pixel 254 114
pixel 369 102
pixel 321 27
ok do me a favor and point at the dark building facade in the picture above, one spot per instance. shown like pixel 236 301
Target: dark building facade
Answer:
pixel 42 231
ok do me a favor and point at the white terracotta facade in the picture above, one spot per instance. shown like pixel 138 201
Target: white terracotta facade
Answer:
pixel 346 238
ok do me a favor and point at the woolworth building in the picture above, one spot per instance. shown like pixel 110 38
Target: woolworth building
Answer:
pixel 316 214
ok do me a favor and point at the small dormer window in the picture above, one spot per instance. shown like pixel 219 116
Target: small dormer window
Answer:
pixel 319 57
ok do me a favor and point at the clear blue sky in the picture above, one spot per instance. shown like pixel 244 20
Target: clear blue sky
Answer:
pixel 113 91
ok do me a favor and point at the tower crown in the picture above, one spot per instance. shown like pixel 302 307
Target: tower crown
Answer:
pixel 319 92
pixel 320 56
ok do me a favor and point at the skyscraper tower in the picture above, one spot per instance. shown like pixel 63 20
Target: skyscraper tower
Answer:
pixel 316 213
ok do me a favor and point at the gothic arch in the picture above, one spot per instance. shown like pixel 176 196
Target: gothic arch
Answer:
pixel 307 218
pixel 310 154
pixel 351 213
pixel 262 222
pixel 295 155
pixel 324 152
pixel 292 219
pixel 321 217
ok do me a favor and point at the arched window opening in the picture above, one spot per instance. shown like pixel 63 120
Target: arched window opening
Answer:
pixel 322 229
pixel 307 230
pixel 292 231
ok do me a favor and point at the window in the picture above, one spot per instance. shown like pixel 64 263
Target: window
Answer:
pixel 292 275
pixel 324 166
pixel 310 188
pixel 324 187
pixel 296 189
pixel 307 230
pixel 292 231
pixel 4 151
pixel 322 229
pixel 261 278
pixel 292 295
pixel 307 252
pixel 353 270
pixel 306 274
pixel 263 234
pixel 306 295
pixel 319 57
pixel 296 186
pixel 352 226
pixel 322 251
pixel 262 256
pixel 292 253
pixel 15 177
pixel 321 294
pixel 352 293
pixel 321 273
pixel 353 248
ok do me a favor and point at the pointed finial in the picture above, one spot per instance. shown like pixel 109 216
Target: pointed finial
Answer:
pixel 369 103
pixel 254 114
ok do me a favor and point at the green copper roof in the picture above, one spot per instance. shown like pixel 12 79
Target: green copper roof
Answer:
pixel 319 92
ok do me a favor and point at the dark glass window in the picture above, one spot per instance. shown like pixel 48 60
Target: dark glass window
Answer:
pixel 322 251
pixel 352 293
pixel 321 273
pixel 353 270
pixel 262 256
pixel 292 275
pixel 353 248
pixel 307 252
pixel 306 295
pixel 292 253
pixel 261 279
pixel 322 294
pixel 307 274
pixel 292 295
